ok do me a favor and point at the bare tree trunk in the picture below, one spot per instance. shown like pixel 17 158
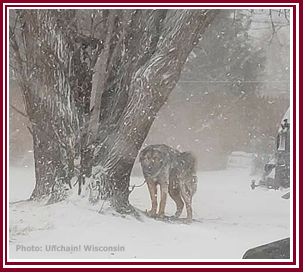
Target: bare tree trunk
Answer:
pixel 42 57
pixel 48 169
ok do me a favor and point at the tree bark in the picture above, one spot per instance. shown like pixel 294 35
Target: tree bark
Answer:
pixel 42 55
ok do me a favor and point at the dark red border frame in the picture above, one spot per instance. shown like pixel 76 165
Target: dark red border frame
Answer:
pixel 154 5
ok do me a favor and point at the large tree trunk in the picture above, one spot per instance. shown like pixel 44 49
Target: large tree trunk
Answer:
pixel 42 55
pixel 49 170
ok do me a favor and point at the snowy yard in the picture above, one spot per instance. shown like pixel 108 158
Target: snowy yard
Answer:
pixel 234 218
pixel 89 87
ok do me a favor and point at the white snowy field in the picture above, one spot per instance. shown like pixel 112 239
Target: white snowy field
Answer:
pixel 234 219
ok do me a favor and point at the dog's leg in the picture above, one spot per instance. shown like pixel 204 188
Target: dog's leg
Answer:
pixel 164 192
pixel 175 194
pixel 152 188
pixel 188 202
pixel 189 211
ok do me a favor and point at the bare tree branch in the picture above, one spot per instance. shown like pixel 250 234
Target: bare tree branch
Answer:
pixel 19 111
pixel 99 80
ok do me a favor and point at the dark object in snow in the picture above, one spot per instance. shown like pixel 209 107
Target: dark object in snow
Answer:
pixel 174 172
pixel 276 172
pixel 276 250
pixel 286 196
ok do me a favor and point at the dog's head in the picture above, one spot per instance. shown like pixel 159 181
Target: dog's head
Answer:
pixel 152 160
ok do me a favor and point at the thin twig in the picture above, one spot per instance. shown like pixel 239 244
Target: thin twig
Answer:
pixel 285 15
pixel 19 111
pixel 30 130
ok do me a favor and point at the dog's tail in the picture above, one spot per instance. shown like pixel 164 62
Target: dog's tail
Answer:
pixel 189 161
pixel 189 167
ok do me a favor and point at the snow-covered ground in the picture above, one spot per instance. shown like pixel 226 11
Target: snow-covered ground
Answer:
pixel 234 218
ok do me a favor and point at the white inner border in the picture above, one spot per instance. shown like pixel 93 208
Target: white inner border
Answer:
pixel 209 5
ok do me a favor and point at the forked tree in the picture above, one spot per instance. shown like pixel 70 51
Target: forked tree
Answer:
pixel 93 82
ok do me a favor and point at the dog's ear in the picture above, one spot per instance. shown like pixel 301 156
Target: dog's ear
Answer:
pixel 142 154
